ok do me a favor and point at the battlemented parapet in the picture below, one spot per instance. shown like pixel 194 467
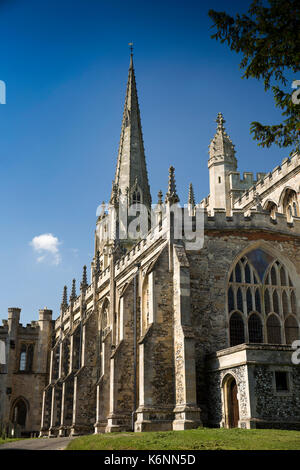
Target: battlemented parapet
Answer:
pixel 272 184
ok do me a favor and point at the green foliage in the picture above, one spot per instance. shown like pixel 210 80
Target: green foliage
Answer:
pixel 194 439
pixel 268 37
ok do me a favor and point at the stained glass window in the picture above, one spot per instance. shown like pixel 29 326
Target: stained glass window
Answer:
pixel 255 329
pixel 236 328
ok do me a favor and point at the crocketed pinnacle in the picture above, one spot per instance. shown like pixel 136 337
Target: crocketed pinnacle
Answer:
pixel 171 195
pixel 73 295
pixel 159 196
pixel 131 164
pixel 64 303
pixel 97 264
pixel 221 147
pixel 84 283
pixel 191 199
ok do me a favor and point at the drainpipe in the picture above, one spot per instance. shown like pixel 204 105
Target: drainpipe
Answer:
pixel 134 345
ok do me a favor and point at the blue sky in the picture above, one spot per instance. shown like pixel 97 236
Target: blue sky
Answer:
pixel 65 66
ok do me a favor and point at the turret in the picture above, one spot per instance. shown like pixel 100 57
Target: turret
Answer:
pixel 221 162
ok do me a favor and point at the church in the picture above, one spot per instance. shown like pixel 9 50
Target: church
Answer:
pixel 171 334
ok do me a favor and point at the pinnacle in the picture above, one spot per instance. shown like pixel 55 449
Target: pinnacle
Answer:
pixel 73 295
pixel 191 199
pixel 159 196
pixel 64 303
pixel 84 282
pixel 98 265
pixel 171 195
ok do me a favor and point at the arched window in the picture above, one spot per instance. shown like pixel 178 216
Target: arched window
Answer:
pixel 291 329
pixel 236 328
pixel 255 329
pixel 26 357
pixel 275 302
pixel 136 197
pixel 285 304
pixel 283 277
pixel 257 301
pixel 230 300
pixel 239 302
pixel 22 366
pixel 260 284
pixel 273 330
pixel 293 302
pixel 267 302
pixel 247 274
pixel 272 208
pixel 290 204
pixel 249 301
pixel 238 275
pixel 273 276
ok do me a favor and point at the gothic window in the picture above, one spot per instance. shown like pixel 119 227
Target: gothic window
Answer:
pixel 267 302
pixel 272 208
pixel 285 304
pixel 255 329
pixel 238 275
pixel 293 302
pixel 230 300
pixel 26 357
pixel 257 301
pixel 23 358
pixel 275 302
pixel 236 329
pixel 282 277
pixel 240 300
pixel 136 197
pixel 273 276
pixel 290 204
pixel 249 301
pixel 273 330
pixel 260 287
pixel 291 329
pixel 247 274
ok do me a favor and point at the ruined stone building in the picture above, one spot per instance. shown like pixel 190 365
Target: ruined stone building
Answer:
pixel 168 335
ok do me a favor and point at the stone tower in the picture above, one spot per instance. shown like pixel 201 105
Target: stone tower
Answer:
pixel 221 162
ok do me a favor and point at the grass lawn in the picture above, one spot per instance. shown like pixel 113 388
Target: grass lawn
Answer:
pixel 194 439
pixel 6 441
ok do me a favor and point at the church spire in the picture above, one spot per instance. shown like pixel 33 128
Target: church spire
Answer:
pixel 131 172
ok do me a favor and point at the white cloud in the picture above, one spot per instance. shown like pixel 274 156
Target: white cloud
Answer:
pixel 46 245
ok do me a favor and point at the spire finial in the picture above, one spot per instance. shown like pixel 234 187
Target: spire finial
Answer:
pixel 159 195
pixel 64 303
pixel 191 199
pixel 73 291
pixel 220 121
pixel 130 44
pixel 171 195
pixel 84 282
pixel 221 146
